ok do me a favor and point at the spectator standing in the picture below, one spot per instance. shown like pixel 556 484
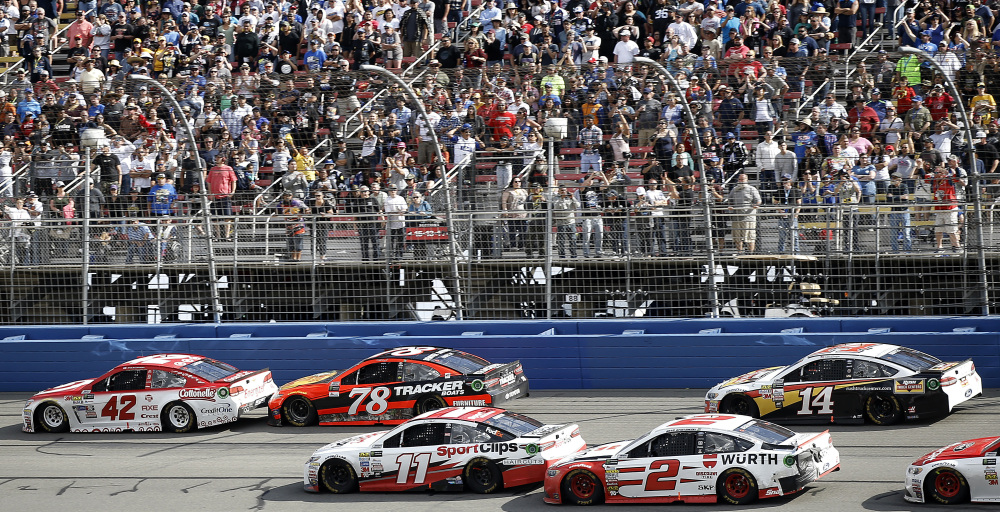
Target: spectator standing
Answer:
pixel 221 183
pixel 565 208
pixel 744 200
pixel 395 211
pixel 293 211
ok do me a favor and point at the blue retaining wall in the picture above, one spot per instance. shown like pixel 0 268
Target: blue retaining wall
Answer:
pixel 589 354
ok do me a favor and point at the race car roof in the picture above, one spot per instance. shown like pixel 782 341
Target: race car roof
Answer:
pixel 713 421
pixel 477 414
pixel 876 350
pixel 165 360
pixel 414 353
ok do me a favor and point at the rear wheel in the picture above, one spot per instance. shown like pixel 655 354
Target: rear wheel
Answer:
pixel 482 476
pixel 428 403
pixel 739 404
pixel 737 486
pixel 945 485
pixel 177 417
pixel 581 487
pixel 338 476
pixel 52 418
pixel 883 409
pixel 299 411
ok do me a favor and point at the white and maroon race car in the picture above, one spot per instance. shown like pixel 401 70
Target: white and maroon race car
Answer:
pixel 169 392
pixel 696 459
pixel 957 473
pixel 482 449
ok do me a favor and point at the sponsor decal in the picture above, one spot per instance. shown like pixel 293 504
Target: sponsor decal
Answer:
pixel 91 414
pixel 377 453
pixel 909 386
pixel 88 396
pixel 197 394
pixel 223 393
pixel 962 447
pixel 469 403
pixel 218 409
pixel 518 392
pixel 749 458
pixel 150 407
pixel 522 462
pixel 84 408
pixel 710 460
pixel 933 384
pixel 789 461
pixel 991 476
pixel 706 487
pixel 477 385
pixel 943 366
pixel 771 492
pixel 506 379
pixel 498 448
pixel 706 474
pixel 989 462
pixel 443 388
pixel 494 432
pixel 377 466
pixel 365 464
pixel 968 393
pixel 364 454
pixel 148 416
pixel 531 448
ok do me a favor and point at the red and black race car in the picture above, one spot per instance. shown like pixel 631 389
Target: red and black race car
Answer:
pixel 393 386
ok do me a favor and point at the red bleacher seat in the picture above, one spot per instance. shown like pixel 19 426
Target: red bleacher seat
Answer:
pixel 570 151
pixel 486 178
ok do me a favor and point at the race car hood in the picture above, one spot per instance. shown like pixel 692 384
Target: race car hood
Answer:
pixel 66 389
pixel 350 444
pixel 601 452
pixel 751 377
pixel 962 450
pixel 319 378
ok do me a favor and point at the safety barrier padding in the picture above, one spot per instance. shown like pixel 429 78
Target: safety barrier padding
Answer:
pixel 590 354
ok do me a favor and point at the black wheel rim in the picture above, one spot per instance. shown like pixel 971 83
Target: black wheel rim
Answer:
pixel 338 475
pixel 482 475
pixel 298 409
pixel 430 404
pixel 881 408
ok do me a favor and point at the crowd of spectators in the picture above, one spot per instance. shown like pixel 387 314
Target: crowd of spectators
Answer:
pixel 262 82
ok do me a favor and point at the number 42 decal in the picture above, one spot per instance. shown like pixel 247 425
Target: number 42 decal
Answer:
pixel 823 401
pixel 111 410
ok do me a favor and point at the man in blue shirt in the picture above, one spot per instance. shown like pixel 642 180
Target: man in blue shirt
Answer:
pixel 803 138
pixel 28 106
pixel 162 196
pixel 315 57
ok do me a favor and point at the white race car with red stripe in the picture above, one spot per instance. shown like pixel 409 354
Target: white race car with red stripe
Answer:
pixel 696 459
pixel 957 473
pixel 478 448
pixel 171 392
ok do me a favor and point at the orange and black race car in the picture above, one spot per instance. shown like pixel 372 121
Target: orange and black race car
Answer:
pixel 393 386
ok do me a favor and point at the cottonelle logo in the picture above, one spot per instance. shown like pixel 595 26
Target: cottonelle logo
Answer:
pixel 197 394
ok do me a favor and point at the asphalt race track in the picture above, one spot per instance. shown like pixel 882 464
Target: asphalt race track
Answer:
pixel 250 466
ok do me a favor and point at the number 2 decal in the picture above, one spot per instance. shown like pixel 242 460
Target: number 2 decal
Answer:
pixel 657 480
pixel 406 461
pixel 376 406
pixel 112 411
pixel 823 400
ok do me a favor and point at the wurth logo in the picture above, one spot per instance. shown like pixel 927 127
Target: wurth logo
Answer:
pixel 749 458
pixel 710 460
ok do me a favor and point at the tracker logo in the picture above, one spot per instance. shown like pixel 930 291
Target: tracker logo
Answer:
pixel 434 387
pixel 197 394
pixel 710 460
pixel 507 379
pixel 749 458
pixel 498 448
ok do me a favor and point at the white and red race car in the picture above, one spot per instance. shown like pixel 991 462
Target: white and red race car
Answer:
pixel 697 459
pixel 482 449
pixel 171 392
pixel 957 473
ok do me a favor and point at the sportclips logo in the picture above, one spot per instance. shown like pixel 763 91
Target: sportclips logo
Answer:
pixel 198 394
pixel 498 448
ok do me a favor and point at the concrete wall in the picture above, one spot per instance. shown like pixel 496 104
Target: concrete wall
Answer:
pixel 692 353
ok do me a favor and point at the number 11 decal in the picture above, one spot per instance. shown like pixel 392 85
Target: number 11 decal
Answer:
pixel 823 400
pixel 406 461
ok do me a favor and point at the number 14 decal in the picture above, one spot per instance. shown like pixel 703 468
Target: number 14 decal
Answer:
pixel 823 401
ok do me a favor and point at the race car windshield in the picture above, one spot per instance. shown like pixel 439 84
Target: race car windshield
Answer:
pixel 767 432
pixel 912 359
pixel 459 361
pixel 210 369
pixel 513 423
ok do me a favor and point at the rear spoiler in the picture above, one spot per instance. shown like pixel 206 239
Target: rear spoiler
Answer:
pixel 948 373
pixel 242 375
pixel 496 376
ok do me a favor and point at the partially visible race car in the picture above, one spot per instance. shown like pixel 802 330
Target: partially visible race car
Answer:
pixel 850 383
pixel 482 449
pixel 170 392
pixel 391 387
pixel 697 459
pixel 957 473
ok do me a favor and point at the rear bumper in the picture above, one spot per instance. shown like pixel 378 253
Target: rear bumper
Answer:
pixel 256 404
pixel 510 393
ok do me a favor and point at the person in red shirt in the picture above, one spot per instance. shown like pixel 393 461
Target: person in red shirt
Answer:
pixel 946 207
pixel 221 183
pixel 939 103
pixel 501 121
pixel 863 116
pixel 903 94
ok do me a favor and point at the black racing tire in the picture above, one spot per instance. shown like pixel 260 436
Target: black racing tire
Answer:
pixel 178 418
pixel 338 477
pixel 299 411
pixel 737 486
pixel 51 417
pixel 739 404
pixel 581 487
pixel 482 476
pixel 883 409
pixel 946 485
pixel 428 403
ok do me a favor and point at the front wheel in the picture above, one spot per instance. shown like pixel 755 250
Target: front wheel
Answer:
pixel 52 418
pixel 737 486
pixel 945 485
pixel 883 409
pixel 338 476
pixel 581 487
pixel 428 403
pixel 740 404
pixel 177 417
pixel 299 411
pixel 482 476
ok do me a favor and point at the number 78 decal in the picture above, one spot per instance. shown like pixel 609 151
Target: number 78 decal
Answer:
pixel 823 401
